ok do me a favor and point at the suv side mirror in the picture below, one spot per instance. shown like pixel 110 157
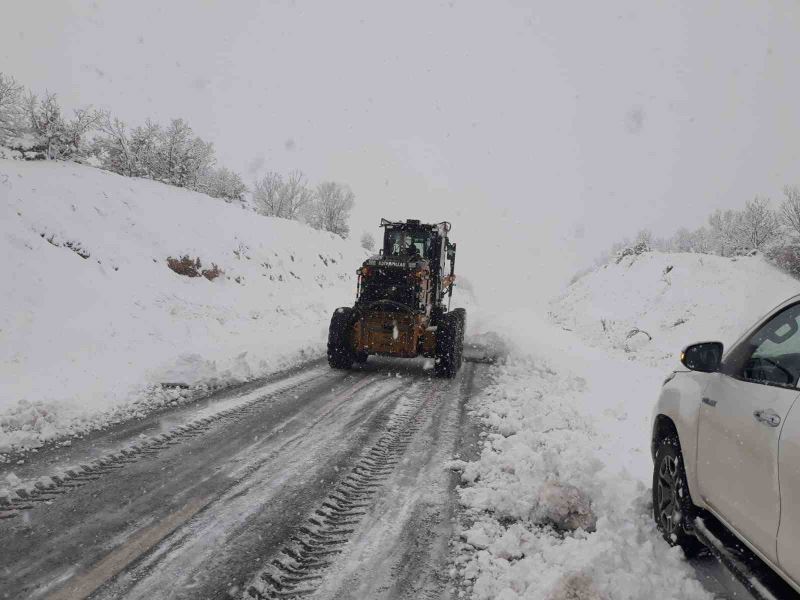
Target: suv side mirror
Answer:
pixel 705 357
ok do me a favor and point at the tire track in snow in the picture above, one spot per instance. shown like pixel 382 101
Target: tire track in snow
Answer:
pixel 49 488
pixel 300 565
pixel 212 546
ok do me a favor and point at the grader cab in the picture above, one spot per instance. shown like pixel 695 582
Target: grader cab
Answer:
pixel 402 304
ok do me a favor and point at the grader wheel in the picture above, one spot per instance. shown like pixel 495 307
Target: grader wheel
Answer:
pixel 450 343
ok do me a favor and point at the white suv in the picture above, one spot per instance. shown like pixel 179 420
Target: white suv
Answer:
pixel 726 439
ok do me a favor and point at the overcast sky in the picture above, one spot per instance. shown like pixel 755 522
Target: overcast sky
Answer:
pixel 543 130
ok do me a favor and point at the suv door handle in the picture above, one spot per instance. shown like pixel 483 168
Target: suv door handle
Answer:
pixel 767 417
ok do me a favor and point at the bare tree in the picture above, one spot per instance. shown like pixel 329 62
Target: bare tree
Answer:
pixel 757 225
pixel 224 183
pixel 198 161
pixel 145 141
pixel 367 241
pixel 116 146
pixel 294 195
pixel 685 240
pixel 46 122
pixel 287 198
pixel 10 92
pixel 57 137
pixel 722 226
pixel 681 241
pixel 644 237
pixel 11 109
pixel 331 208
pixel 85 120
pixel 266 194
pixel 702 241
pixel 181 158
pixel 661 244
pixel 174 142
pixel 790 209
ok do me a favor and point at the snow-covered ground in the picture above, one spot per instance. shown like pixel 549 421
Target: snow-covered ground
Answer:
pixel 558 503
pixel 93 321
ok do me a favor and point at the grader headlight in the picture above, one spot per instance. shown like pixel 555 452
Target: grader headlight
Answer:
pixel 417 276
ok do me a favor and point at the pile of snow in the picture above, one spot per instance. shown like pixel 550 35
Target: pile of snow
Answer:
pixel 559 503
pixel 94 322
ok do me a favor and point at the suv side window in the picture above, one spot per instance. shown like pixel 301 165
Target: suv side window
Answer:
pixel 770 356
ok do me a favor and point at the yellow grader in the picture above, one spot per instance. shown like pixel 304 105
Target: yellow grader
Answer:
pixel 400 305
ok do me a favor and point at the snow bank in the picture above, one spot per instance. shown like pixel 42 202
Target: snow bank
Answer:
pixel 94 322
pixel 559 504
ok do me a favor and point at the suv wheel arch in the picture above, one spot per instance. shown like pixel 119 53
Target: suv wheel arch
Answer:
pixel 662 427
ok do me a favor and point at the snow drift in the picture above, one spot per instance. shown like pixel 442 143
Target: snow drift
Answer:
pixel 94 322
pixel 559 504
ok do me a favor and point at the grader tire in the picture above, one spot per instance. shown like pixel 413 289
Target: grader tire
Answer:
pixel 450 343
pixel 340 343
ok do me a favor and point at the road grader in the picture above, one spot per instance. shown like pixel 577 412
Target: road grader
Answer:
pixel 402 306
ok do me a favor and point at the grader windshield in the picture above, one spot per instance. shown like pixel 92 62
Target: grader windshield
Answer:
pixel 406 242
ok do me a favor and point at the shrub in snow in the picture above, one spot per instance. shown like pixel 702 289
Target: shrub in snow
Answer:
pixel 74 245
pixel 223 183
pixel 786 258
pixel 635 250
pixel 78 249
pixel 185 265
pixel 10 154
pixel 212 273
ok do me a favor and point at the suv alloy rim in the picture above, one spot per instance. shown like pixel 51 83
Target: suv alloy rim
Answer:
pixel 669 493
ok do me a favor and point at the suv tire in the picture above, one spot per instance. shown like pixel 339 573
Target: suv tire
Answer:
pixel 673 509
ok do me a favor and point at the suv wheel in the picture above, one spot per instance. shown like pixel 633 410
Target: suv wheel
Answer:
pixel 673 509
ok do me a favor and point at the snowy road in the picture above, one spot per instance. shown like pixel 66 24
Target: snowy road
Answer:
pixel 321 481
pixel 315 482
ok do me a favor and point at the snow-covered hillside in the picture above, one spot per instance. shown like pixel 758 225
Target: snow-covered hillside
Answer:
pixel 675 299
pixel 558 505
pixel 93 321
